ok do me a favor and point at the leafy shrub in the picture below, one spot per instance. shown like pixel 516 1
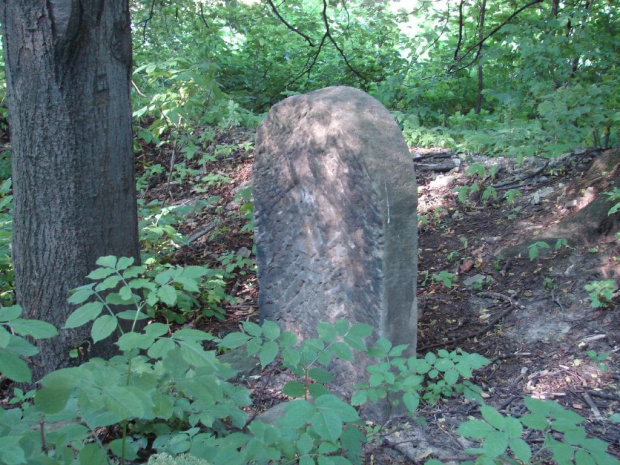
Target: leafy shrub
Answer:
pixel 166 393
pixel 13 343
pixel 500 433
pixel 601 293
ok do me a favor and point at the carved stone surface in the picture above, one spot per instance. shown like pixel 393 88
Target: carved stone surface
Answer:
pixel 335 213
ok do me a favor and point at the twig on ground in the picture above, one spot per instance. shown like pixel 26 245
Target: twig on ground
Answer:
pixel 508 184
pixel 194 237
pixel 592 405
pixel 485 329
pixel 602 395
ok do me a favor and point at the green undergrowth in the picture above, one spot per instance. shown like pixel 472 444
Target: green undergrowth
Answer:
pixel 165 394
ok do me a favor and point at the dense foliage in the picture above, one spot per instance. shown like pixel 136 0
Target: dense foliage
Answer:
pixel 517 78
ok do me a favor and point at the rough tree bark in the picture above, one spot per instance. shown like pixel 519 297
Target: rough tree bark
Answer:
pixel 68 65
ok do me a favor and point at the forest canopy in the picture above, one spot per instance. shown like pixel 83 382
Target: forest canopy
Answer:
pixel 512 77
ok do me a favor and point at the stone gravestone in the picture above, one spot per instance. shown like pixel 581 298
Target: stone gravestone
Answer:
pixel 335 202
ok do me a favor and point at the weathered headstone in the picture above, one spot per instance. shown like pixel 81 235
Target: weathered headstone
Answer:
pixel 335 202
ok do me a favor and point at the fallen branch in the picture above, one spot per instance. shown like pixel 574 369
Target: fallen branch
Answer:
pixel 485 329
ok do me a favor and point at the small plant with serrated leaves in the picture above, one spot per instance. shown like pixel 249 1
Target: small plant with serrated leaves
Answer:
pixel 418 380
pixel 565 439
pixel 321 423
pixel 600 359
pixel 244 196
pixel 166 289
pixel 489 193
pixel 511 194
pixel 601 293
pixel 614 196
pixel 535 248
pixel 235 263
pixel 445 277
pixel 464 192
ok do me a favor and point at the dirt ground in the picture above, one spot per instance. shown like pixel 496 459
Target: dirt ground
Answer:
pixel 531 317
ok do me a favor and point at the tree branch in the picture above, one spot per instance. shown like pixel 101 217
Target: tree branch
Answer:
pixel 331 39
pixel 296 31
pixel 460 41
pixel 478 45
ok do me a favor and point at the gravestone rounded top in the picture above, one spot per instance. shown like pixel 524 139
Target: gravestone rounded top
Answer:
pixel 335 212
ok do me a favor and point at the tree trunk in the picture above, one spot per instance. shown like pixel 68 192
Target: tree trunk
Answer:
pixel 480 95
pixel 68 66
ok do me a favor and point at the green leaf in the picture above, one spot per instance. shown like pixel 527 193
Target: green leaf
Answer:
pixel 294 389
pixel 342 351
pixel 513 427
pixel 298 413
pixel 185 334
pixel 354 342
pixel 444 364
pixel 582 457
pixel 188 285
pixel 360 330
pixel 411 401
pixel 325 357
pixel 167 294
pixel 131 341
pixel 11 451
pixel 493 417
pixel 328 425
pixel 84 314
pixel 562 453
pixel 305 445
pixel 252 329
pixel 475 429
pixel 317 390
pixel 342 327
pixel 34 328
pixel 123 402
pixel 109 261
pixel 92 454
pixel 521 449
pixel 109 283
pixel 103 327
pixel 81 295
pixel 125 293
pixel 495 444
pixel 398 350
pixel 100 273
pixel 288 339
pixel 233 340
pixel 124 262
pixel 5 337
pixel 320 375
pixel 268 353
pixel 14 367
pixel 161 347
pixel 535 421
pixel 271 330
pixel 359 398
pixel 333 404
pixel 194 272
pixel 327 332
pixel 10 313
pixel 451 377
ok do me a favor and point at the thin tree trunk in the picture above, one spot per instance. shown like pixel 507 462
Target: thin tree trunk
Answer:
pixel 480 75
pixel 68 66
